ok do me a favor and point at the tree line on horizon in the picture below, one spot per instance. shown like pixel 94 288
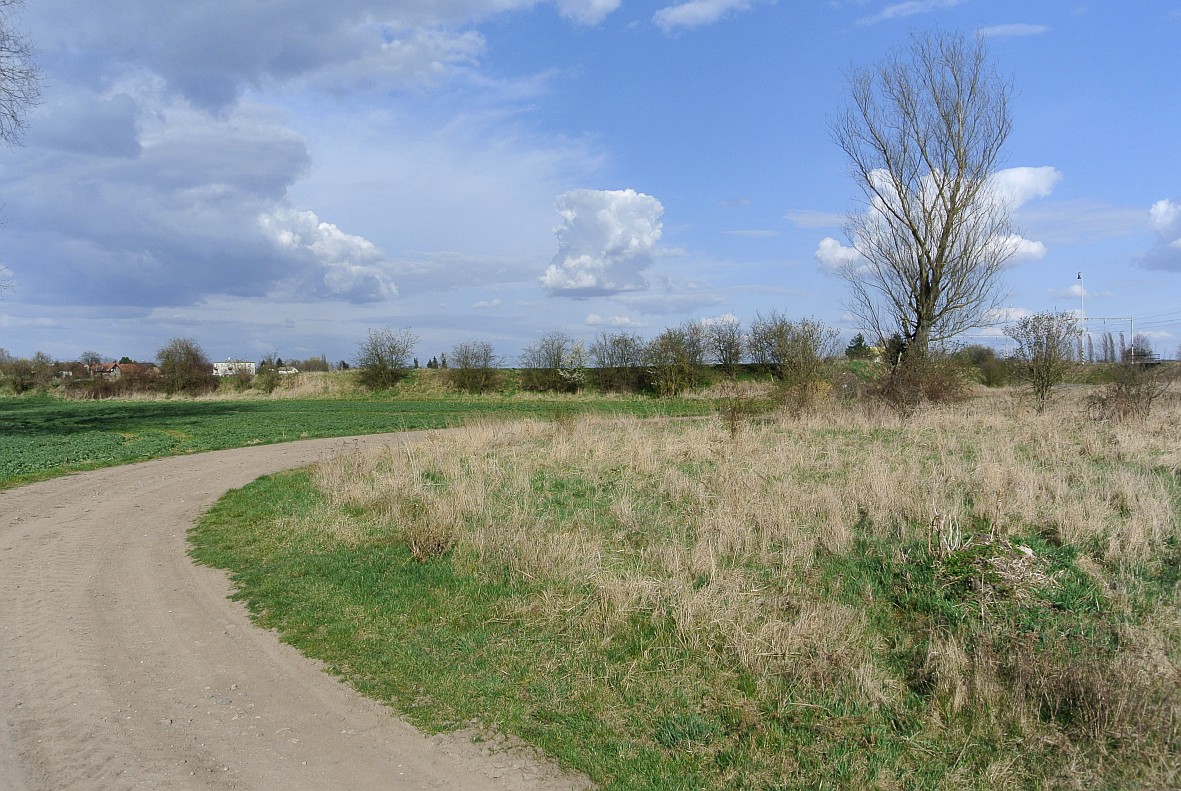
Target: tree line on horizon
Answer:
pixel 795 353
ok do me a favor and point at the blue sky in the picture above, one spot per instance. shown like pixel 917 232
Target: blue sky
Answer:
pixel 279 177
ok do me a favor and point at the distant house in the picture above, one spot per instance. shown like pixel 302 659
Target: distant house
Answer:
pixel 121 370
pixel 135 369
pixel 231 367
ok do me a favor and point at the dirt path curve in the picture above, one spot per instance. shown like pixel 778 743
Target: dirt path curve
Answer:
pixel 125 666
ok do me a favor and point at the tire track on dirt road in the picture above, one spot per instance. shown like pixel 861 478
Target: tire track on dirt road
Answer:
pixel 125 666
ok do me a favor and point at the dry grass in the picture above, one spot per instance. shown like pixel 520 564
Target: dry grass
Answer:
pixel 678 501
pixel 307 384
pixel 725 536
pixel 310 384
pixel 426 383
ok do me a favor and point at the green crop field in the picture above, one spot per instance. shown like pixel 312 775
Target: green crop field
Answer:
pixel 41 437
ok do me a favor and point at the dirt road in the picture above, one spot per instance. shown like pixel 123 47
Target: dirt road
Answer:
pixel 123 665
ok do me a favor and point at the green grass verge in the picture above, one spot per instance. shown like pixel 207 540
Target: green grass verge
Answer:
pixel 447 648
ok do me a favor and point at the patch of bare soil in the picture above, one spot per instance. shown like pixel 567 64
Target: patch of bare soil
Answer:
pixel 125 666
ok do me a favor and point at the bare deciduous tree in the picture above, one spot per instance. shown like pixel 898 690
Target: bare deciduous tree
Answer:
pixel 1141 349
pixel 20 86
pixel 90 359
pixel 1108 348
pixel 923 136
pixel 726 343
pixel 619 359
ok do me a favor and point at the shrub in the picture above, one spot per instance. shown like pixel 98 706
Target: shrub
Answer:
pixel 319 364
pixel 474 367
pixel 21 375
pixel 726 344
pixel 241 380
pixel 991 370
pixel 384 357
pixel 933 377
pixel 737 405
pixel 1130 394
pixel 796 354
pixel 676 359
pixel 184 368
pixel 1045 352
pixel 556 362
pixel 266 380
pixel 619 363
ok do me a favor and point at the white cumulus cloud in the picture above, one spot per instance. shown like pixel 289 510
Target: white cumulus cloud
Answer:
pixel 833 255
pixel 1164 215
pixel 1018 186
pixel 1020 249
pixel 340 264
pixel 606 239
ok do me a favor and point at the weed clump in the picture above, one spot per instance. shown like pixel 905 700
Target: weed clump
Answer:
pixel 1130 394
pixel 917 379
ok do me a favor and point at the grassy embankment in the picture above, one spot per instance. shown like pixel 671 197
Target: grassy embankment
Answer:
pixel 44 436
pixel 678 605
